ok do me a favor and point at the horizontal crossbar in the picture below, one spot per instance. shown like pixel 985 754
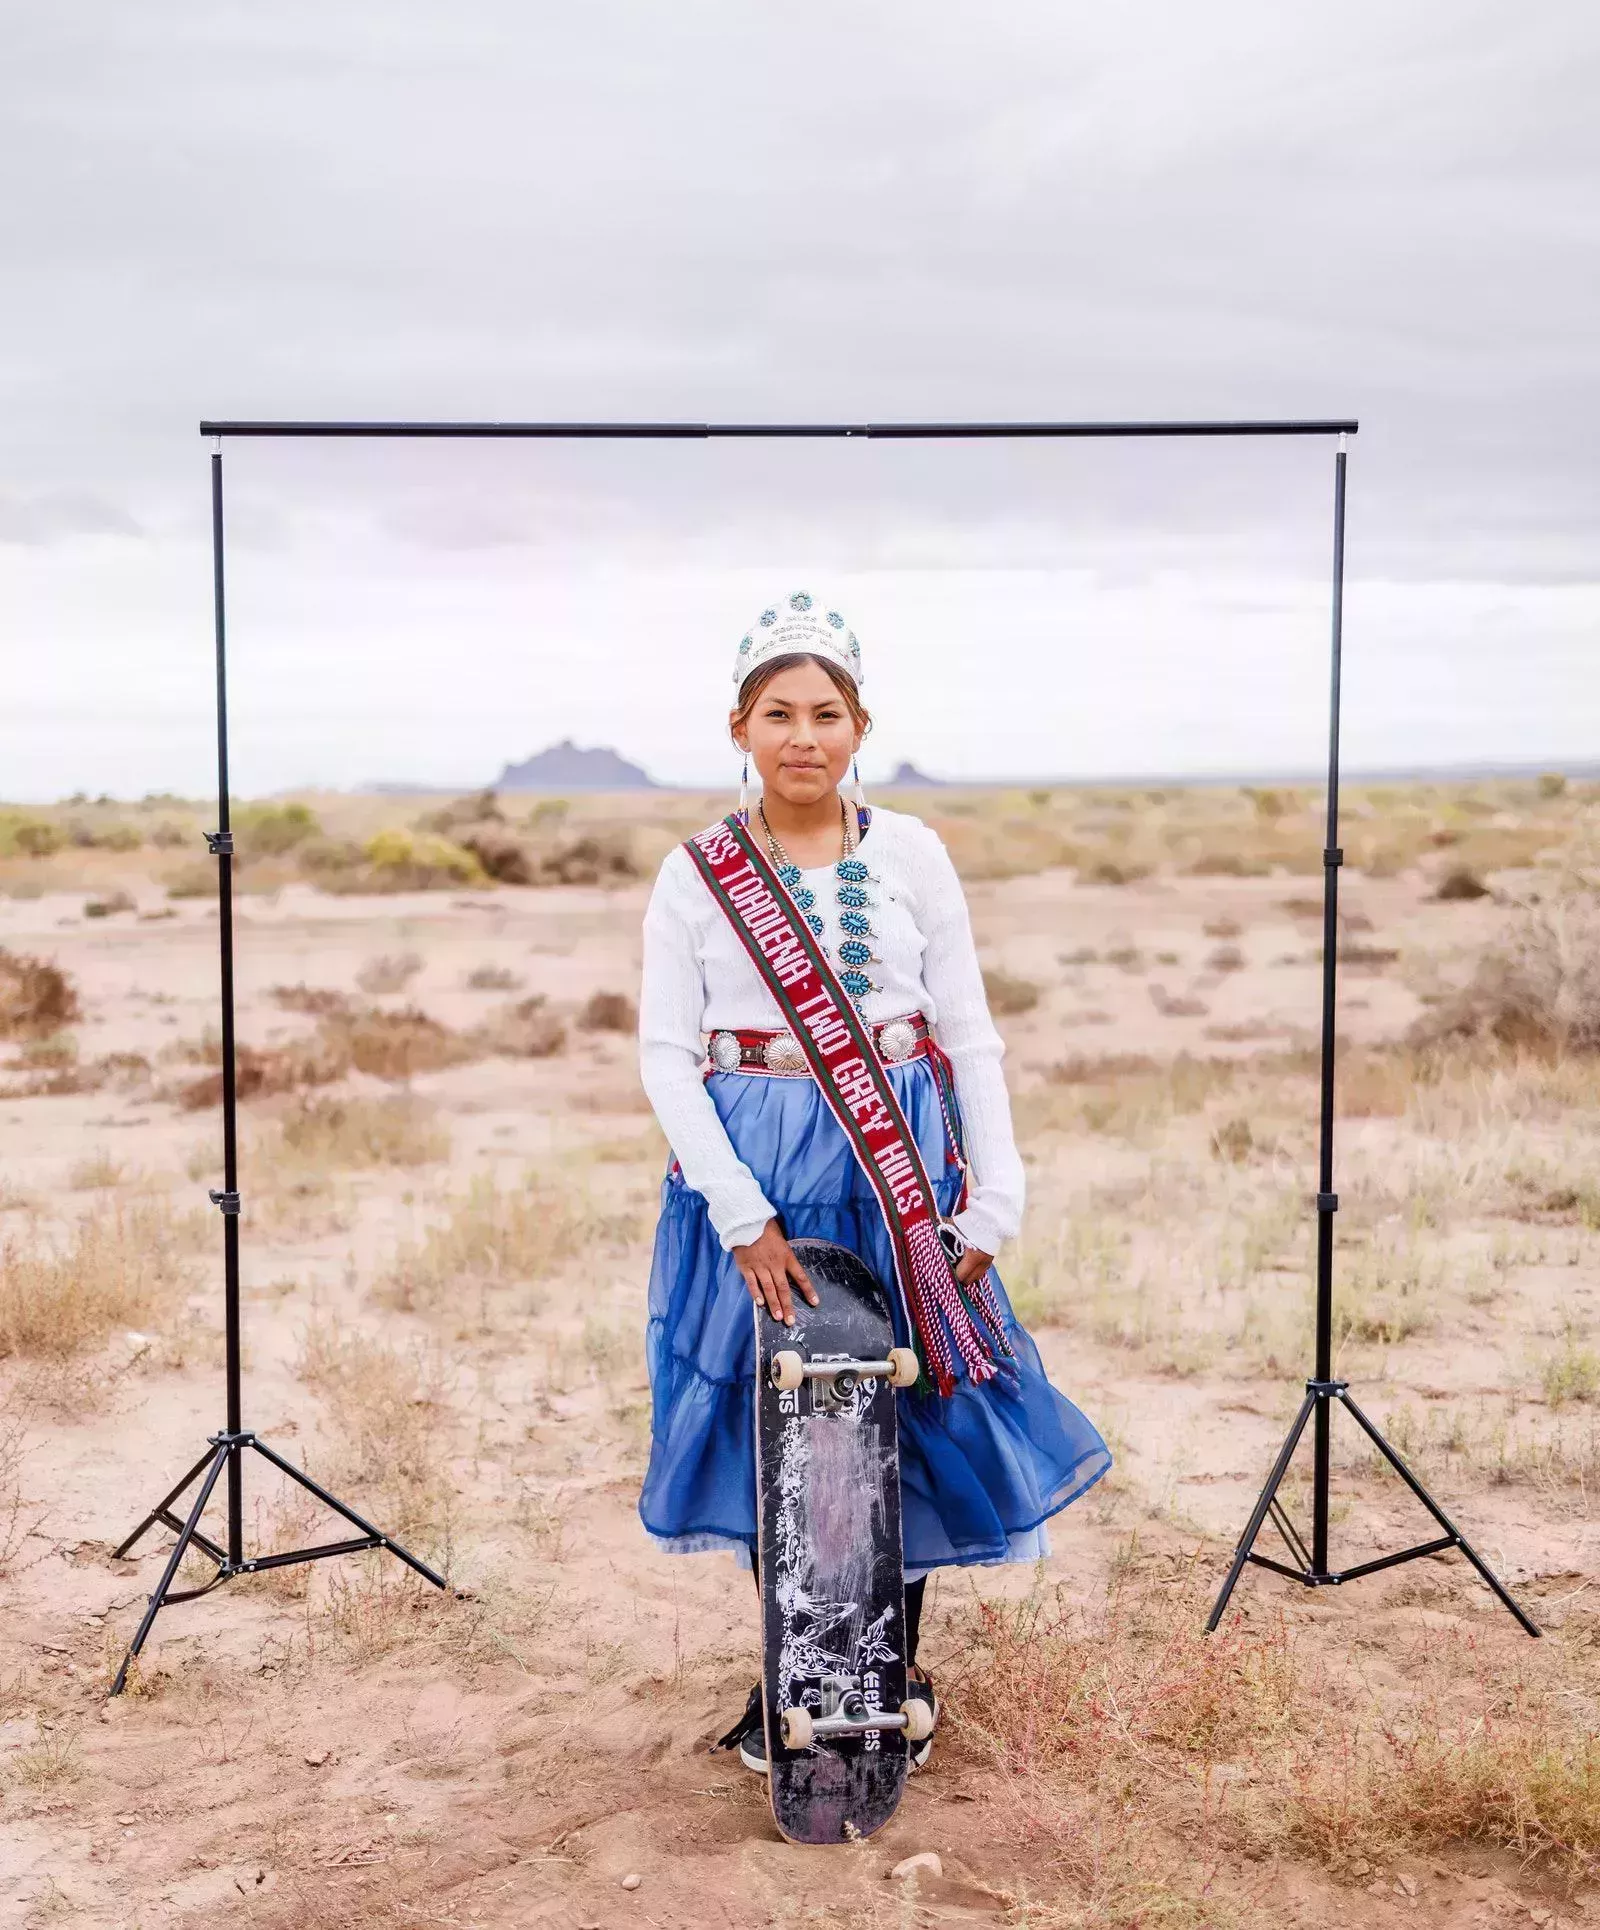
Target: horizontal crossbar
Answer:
pixel 1332 1579
pixel 169 1520
pixel 354 1546
pixel 705 431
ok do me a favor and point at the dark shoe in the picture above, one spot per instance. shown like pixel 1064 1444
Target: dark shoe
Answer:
pixel 748 1735
pixel 919 1688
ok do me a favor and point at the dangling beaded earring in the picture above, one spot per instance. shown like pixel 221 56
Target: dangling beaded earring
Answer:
pixel 861 796
pixel 744 791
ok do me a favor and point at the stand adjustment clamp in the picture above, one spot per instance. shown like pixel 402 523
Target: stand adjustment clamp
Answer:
pixel 1326 1389
pixel 1334 855
pixel 1326 1202
pixel 220 843
pixel 229 1202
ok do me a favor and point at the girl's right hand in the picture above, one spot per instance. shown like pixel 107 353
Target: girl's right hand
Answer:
pixel 767 1265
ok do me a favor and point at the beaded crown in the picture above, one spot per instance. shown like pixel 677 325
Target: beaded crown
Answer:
pixel 798 622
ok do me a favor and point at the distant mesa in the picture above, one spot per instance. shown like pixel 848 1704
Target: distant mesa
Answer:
pixel 568 767
pixel 908 778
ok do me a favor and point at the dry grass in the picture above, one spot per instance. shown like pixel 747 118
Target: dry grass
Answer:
pixel 494 1237
pixel 50 1068
pixel 125 1268
pixel 527 1030
pixel 385 1044
pixel 97 1170
pixel 1111 1734
pixel 493 978
pixel 609 1012
pixel 1009 995
pixel 36 997
pixel 316 1001
pixel 18 1517
pixel 390 972
pixel 318 1133
pixel 1485 1754
pixel 259 1072
pixel 392 1417
pixel 1538 986
pixel 1100 1733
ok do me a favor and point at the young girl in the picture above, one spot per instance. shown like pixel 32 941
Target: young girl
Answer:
pixel 988 1448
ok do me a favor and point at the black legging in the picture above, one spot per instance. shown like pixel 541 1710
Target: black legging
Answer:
pixel 914 1591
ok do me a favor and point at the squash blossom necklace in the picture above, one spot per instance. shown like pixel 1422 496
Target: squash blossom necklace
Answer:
pixel 851 878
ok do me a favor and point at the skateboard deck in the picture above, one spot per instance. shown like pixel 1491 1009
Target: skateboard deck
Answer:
pixel 832 1586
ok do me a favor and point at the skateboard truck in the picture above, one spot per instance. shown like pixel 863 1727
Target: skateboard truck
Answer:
pixel 847 1712
pixel 841 1377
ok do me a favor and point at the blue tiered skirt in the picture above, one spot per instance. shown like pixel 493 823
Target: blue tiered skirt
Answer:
pixel 980 1472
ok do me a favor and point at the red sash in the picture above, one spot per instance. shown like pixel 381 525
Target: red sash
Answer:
pixel 947 1319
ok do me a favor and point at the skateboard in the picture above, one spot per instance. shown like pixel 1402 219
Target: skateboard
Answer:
pixel 833 1665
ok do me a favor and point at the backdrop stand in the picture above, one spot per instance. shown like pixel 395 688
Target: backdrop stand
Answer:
pixel 1322 1391
pixel 229 1448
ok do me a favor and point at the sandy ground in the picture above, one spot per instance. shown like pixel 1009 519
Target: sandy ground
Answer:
pixel 338 1748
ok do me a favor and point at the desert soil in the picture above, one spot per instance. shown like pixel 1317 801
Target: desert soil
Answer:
pixel 339 1746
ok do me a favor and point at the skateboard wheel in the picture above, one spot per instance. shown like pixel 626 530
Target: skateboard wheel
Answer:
pixel 902 1367
pixel 795 1724
pixel 788 1371
pixel 919 1720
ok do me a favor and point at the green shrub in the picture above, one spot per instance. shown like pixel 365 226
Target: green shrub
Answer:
pixel 37 837
pixel 412 861
pixel 268 830
pixel 322 855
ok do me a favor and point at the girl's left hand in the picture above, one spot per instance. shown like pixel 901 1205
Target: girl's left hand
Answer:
pixel 973 1264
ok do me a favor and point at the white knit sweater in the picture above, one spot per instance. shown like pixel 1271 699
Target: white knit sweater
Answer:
pixel 698 979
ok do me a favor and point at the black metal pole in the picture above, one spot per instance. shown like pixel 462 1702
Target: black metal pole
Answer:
pixel 1327 1198
pixel 229 1199
pixel 704 431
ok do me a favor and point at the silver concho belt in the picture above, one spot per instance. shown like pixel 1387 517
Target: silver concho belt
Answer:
pixel 781 1053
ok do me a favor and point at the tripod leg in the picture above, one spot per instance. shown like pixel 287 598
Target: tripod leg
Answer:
pixel 164 1504
pixel 1493 1581
pixel 1252 1528
pixel 350 1515
pixel 219 1459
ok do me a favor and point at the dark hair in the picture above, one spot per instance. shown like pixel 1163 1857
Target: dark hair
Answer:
pixel 750 690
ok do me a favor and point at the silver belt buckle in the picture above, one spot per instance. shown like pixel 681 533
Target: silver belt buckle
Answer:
pixel 897 1040
pixel 725 1053
pixel 783 1053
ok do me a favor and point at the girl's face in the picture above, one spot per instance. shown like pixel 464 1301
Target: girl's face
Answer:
pixel 800 736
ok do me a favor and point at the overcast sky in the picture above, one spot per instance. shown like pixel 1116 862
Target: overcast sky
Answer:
pixel 722 211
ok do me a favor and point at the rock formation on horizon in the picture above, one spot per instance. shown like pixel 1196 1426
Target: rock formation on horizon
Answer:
pixel 568 767
pixel 908 778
